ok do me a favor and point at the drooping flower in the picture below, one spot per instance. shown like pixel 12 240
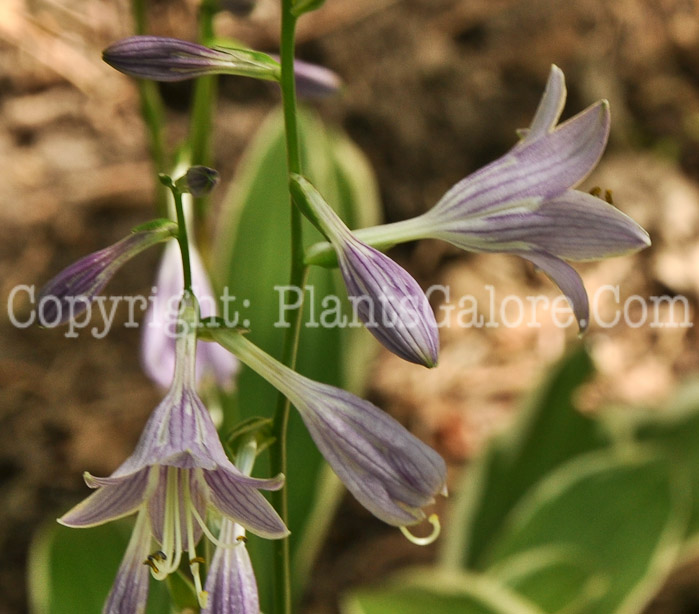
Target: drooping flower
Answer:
pixel 524 203
pixel 389 471
pixel 230 582
pixel 387 299
pixel 70 292
pixel 178 471
pixel 158 340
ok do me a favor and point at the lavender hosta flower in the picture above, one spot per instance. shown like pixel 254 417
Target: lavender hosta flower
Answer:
pixel 387 299
pixel 70 292
pixel 178 471
pixel 390 472
pixel 230 582
pixel 158 341
pixel 171 59
pixel 525 203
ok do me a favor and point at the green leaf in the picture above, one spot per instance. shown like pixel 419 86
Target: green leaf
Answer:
pixel 547 433
pixel 560 579
pixel 72 570
pixel 251 257
pixel 623 513
pixel 435 592
pixel 676 431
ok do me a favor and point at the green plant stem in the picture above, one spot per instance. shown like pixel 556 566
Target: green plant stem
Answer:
pixel 203 106
pixel 297 277
pixel 182 238
pixel 153 113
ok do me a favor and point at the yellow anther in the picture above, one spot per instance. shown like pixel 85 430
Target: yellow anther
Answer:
pixel 150 561
pixel 197 559
pixel 425 541
pixel 242 538
pixel 597 192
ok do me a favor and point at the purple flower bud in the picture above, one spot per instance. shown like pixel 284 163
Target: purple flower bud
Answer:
pixel 387 299
pixel 390 472
pixel 198 180
pixel 312 80
pixel 171 59
pixel 70 292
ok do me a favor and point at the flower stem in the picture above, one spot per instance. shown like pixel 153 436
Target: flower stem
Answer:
pixel 182 238
pixel 282 593
pixel 203 105
pixel 153 112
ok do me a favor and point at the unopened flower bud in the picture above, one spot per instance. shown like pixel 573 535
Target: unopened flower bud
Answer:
pixel 170 59
pixel 198 180
pixel 70 292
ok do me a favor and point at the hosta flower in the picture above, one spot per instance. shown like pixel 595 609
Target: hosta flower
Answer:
pixel 387 299
pixel 390 472
pixel 70 292
pixel 158 340
pixel 178 471
pixel 230 582
pixel 525 203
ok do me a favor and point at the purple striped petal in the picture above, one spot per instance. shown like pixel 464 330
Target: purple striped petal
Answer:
pixel 243 504
pixel 390 303
pixel 70 292
pixel 550 107
pixel 567 279
pixel 390 472
pixel 231 583
pixel 113 499
pixel 574 226
pixel 539 169
pixel 579 226
pixel 129 592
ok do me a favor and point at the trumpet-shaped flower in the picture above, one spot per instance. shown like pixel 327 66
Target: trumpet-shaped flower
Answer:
pixel 524 203
pixel 178 470
pixel 387 299
pixel 70 292
pixel 389 471
pixel 231 581
pixel 158 340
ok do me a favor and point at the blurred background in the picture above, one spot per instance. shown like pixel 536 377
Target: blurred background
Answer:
pixel 433 90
